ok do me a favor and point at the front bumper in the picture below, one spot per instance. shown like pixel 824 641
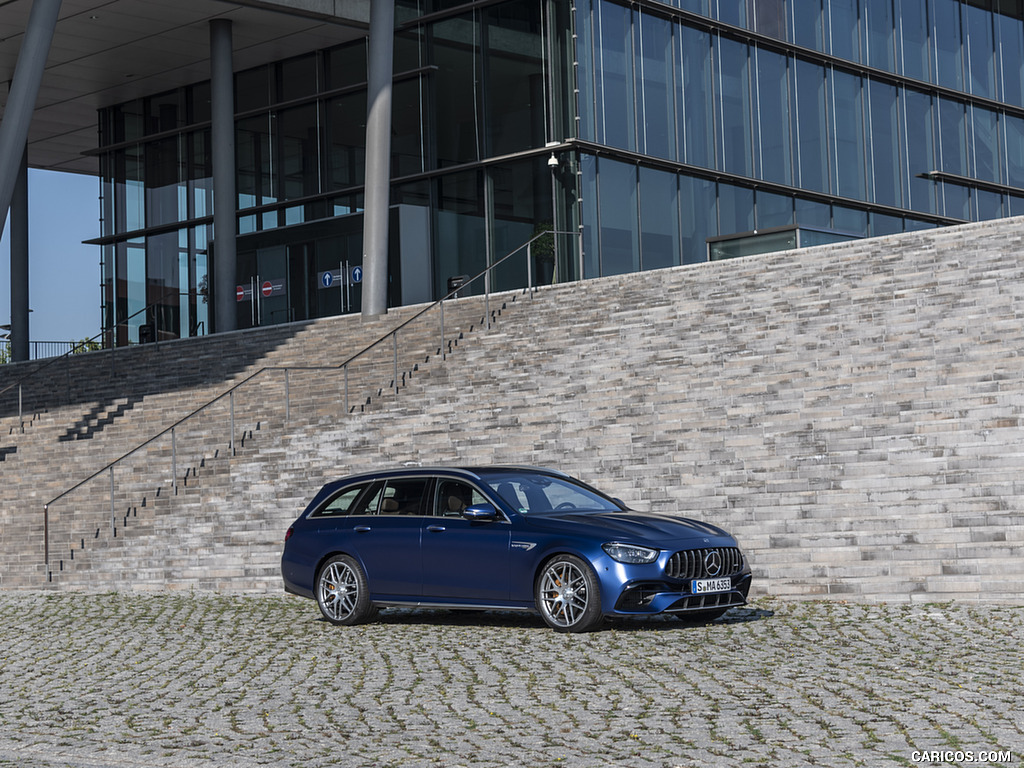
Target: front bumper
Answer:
pixel 651 597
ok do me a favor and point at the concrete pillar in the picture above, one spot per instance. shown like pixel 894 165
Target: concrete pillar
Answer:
pixel 377 187
pixel 19 264
pixel 225 199
pixel 28 74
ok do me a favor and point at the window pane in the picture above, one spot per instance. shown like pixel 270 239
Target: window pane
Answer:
pixel 346 137
pixel 1014 130
pixel 989 204
pixel 166 197
pixel 848 129
pixel 460 238
pixel 734 150
pixel 657 110
pixel 945 29
pixel 585 47
pixel 850 220
pixel 616 125
pixel 298 148
pixel 980 47
pixel 984 144
pixel 956 200
pixel 620 247
pixel 659 219
pixel 811 126
pixel 843 26
pixel 346 65
pixel 810 213
pixel 696 112
pixel 885 225
pixel 1010 36
pixel 589 216
pixel 877 26
pixel 773 210
pixel 885 154
pixel 699 217
pixel 806 23
pixel 297 77
pixel 773 118
pixel 952 137
pixel 515 78
pixel 408 132
pixel 769 17
pixel 735 209
pixel 918 140
pixel 252 89
pixel 912 40
pixel 733 12
pixel 457 58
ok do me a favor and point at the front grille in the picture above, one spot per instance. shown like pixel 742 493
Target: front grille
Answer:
pixel 692 563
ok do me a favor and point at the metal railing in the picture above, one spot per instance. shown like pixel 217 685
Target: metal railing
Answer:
pixel 41 350
pixel 343 368
pixel 77 347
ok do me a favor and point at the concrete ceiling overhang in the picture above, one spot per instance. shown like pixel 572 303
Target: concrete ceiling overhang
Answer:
pixel 107 52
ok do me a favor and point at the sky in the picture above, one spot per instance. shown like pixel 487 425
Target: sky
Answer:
pixel 64 275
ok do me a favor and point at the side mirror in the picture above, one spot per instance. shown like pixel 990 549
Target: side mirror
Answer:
pixel 480 513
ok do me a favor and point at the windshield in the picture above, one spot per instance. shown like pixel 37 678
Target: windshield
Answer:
pixel 529 493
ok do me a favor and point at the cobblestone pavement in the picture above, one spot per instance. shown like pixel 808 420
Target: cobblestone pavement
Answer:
pixel 167 680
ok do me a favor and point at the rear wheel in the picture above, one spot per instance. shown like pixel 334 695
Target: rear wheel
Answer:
pixel 342 592
pixel 568 596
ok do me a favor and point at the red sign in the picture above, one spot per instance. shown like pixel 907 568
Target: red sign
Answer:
pixel 267 289
pixel 243 293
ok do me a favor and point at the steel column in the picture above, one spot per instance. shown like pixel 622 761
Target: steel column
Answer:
pixel 19 264
pixel 21 101
pixel 222 130
pixel 378 158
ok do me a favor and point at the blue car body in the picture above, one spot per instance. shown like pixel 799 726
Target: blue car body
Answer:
pixel 484 537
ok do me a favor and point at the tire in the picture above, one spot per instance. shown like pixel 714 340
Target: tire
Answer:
pixel 568 596
pixel 342 592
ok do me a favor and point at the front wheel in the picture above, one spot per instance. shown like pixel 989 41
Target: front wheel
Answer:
pixel 342 592
pixel 568 596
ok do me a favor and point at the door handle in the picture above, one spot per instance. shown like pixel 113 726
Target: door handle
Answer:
pixel 362 529
pixel 435 528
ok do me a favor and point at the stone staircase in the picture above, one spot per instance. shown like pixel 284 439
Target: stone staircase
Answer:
pixel 290 378
pixel 853 413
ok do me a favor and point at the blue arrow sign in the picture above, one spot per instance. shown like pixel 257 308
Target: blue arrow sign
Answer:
pixel 357 274
pixel 327 279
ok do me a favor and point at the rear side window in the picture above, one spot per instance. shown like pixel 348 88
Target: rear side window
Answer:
pixel 404 496
pixel 341 504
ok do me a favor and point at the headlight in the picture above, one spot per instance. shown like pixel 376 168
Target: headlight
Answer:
pixel 628 553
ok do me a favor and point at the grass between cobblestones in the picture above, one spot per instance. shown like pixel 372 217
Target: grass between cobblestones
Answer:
pixel 172 679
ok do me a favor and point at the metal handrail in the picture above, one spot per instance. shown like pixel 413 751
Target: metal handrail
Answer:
pixel 79 344
pixel 229 393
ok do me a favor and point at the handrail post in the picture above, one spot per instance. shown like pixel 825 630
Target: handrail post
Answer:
pixel 287 399
pixel 443 355
pixel 113 514
pixel 345 369
pixel 529 269
pixel 21 410
pixel 46 539
pixel 394 338
pixel 231 439
pixel 174 463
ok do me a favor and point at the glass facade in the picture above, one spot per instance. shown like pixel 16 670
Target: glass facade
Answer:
pixel 648 127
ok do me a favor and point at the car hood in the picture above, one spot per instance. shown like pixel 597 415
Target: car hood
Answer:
pixel 631 527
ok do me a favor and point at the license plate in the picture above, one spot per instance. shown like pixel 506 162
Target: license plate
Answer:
pixel 703 586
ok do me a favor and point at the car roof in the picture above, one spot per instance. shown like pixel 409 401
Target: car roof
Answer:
pixel 472 472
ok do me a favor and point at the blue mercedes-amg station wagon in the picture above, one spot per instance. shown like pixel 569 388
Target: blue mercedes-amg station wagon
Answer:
pixel 506 538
